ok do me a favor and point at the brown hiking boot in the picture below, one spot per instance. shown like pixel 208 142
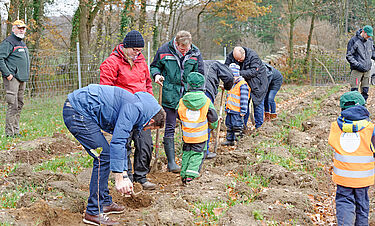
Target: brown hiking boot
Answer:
pixel 273 116
pixel 113 208
pixel 267 116
pixel 148 185
pixel 98 220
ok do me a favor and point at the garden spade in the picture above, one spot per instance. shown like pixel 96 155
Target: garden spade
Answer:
pixel 220 118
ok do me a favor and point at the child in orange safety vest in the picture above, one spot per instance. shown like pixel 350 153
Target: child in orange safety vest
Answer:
pixel 352 138
pixel 236 106
pixel 197 114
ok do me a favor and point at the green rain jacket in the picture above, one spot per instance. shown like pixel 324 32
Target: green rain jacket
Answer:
pixel 175 71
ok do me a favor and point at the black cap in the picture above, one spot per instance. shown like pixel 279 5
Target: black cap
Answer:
pixel 134 39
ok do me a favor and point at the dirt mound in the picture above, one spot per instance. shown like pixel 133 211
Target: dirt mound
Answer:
pixel 38 150
pixel 43 214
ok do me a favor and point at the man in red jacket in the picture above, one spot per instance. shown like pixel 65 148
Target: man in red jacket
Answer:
pixel 126 68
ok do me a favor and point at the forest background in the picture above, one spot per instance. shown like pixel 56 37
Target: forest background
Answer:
pixel 322 27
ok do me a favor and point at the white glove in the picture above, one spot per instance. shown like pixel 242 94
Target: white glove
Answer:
pixel 159 79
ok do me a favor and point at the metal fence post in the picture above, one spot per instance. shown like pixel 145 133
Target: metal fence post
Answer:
pixel 79 67
pixel 148 53
pixel 225 53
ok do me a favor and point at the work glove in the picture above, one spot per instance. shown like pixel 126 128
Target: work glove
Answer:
pixel 235 69
pixel 159 79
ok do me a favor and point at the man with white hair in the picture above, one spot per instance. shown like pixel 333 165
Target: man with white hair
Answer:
pixel 15 70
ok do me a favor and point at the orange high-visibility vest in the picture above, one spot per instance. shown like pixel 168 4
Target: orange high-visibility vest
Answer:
pixel 353 162
pixel 234 96
pixel 194 123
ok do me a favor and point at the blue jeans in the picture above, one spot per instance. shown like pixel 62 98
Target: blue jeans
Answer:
pixel 88 133
pixel 258 115
pixel 352 206
pixel 269 101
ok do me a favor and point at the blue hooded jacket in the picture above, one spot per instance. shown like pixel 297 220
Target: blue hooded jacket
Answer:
pixel 117 112
pixel 354 119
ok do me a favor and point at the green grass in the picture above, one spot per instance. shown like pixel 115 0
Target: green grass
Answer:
pixel 208 213
pixel 39 118
pixel 73 163
pixel 8 199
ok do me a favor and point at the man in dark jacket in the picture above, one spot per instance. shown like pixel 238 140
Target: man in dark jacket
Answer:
pixel 214 72
pixel 170 68
pixel 359 53
pixel 253 71
pixel 114 110
pixel 15 69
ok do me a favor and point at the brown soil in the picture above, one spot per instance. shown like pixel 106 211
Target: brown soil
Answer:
pixel 292 197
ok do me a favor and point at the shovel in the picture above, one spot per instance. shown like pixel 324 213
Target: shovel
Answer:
pixel 220 119
pixel 156 161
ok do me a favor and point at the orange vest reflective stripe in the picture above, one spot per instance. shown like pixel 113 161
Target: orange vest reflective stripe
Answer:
pixel 234 97
pixel 194 123
pixel 353 161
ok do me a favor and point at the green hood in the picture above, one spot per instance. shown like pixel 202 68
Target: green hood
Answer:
pixel 194 100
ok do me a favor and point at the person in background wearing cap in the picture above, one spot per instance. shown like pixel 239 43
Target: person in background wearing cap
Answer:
pixel 236 106
pixel 126 67
pixel 359 53
pixel 197 113
pixel 88 111
pixel 15 69
pixel 253 71
pixel 170 68
pixel 352 138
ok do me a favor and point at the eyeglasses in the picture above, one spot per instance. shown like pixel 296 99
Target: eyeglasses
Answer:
pixel 137 50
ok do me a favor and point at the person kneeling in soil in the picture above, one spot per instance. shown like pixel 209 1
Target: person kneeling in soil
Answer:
pixel 236 106
pixel 352 137
pixel 197 114
pixel 93 108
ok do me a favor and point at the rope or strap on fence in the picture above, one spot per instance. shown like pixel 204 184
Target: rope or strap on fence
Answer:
pixel 333 81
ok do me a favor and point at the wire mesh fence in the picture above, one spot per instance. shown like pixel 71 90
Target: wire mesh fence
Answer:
pixel 55 73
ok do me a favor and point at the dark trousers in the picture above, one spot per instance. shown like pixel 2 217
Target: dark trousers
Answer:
pixel 209 130
pixel 142 155
pixel 352 206
pixel 235 124
pixel 88 133
pixel 170 122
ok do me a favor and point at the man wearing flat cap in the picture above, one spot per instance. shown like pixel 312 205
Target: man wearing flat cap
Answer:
pixel 126 68
pixel 15 70
pixel 359 53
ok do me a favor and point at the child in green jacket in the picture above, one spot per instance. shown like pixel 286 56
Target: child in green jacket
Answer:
pixel 197 114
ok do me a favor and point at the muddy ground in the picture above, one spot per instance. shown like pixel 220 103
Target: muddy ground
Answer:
pixel 301 194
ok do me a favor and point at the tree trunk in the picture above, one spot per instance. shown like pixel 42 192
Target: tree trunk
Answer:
pixel 126 19
pixel 142 17
pixel 308 50
pixel 291 28
pixel 12 14
pixel 155 31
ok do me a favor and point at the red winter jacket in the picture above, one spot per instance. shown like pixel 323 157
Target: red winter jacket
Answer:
pixel 116 71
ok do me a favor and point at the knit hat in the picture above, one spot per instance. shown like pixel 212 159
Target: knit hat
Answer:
pixel 133 39
pixel 235 69
pixel 351 99
pixel 195 81
pixel 368 29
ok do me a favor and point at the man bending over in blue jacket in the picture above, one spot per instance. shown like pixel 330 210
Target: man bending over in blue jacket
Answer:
pixel 93 108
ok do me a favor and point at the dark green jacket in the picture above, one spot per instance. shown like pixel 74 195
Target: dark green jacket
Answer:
pixel 14 58
pixel 175 71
